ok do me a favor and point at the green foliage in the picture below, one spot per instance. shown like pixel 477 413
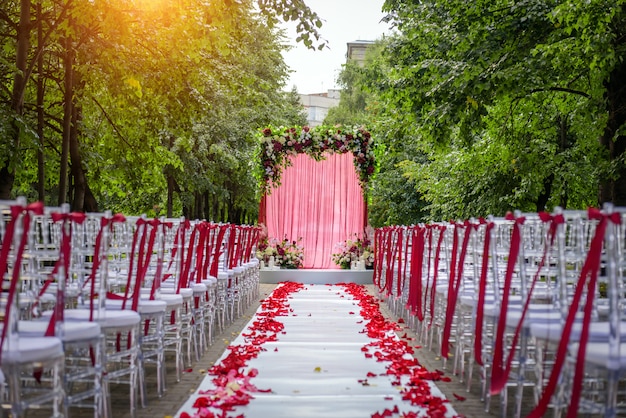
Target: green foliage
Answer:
pixel 479 107
pixel 308 25
pixel 352 107
pixel 164 91
pixel 506 100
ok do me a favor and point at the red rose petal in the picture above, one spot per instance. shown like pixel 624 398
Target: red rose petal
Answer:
pixel 393 351
pixel 387 348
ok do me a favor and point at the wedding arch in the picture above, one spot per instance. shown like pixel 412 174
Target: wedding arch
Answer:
pixel 313 183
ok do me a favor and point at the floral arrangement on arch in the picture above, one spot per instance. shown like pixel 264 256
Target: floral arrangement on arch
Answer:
pixel 352 250
pixel 287 254
pixel 278 143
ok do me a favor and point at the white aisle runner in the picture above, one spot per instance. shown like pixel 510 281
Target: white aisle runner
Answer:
pixel 319 366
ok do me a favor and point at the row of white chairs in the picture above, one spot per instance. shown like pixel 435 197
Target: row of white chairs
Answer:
pixel 529 303
pixel 91 300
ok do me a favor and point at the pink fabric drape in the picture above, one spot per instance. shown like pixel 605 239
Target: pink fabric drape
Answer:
pixel 319 201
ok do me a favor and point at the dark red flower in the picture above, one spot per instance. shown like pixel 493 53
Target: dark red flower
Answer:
pixel 201 402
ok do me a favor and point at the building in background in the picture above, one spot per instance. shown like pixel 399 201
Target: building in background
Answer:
pixel 356 51
pixel 318 104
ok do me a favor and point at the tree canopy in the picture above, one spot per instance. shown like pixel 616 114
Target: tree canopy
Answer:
pixel 143 106
pixel 489 106
pixel 153 107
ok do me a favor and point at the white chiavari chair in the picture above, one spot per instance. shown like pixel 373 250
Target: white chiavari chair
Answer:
pixel 25 361
pixel 467 299
pixel 152 290
pixel 527 264
pixel 101 241
pixel 152 312
pixel 176 247
pixel 82 340
pixel 595 368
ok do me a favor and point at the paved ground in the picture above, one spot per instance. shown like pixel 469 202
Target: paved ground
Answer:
pixel 177 392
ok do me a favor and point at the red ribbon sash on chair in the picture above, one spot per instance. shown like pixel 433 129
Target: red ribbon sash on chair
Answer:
pixel 378 258
pixel 218 249
pixel 501 374
pixel 158 274
pixel 65 253
pixel 393 248
pixel 19 213
pixel 454 283
pixel 482 290
pixel 232 244
pixel 415 299
pixel 433 291
pixel 588 278
pixel 498 380
pixel 105 223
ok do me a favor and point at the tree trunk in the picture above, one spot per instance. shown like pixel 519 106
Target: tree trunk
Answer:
pixel 67 120
pixel 78 174
pixel 215 209
pixel 41 174
pixel 207 206
pixel 198 206
pixel 170 195
pixel 544 197
pixel 7 172
pixel 91 204
pixel 615 190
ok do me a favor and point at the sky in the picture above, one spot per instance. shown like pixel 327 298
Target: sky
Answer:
pixel 343 21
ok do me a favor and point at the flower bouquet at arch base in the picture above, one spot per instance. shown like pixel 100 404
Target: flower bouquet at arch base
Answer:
pixel 354 249
pixel 285 254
